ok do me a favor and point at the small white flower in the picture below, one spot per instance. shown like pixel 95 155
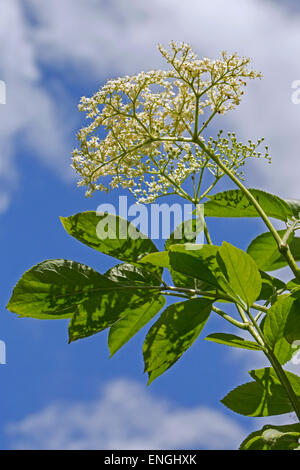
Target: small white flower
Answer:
pixel 151 121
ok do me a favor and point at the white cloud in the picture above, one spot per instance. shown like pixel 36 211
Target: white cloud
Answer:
pixel 96 38
pixel 29 113
pixel 125 416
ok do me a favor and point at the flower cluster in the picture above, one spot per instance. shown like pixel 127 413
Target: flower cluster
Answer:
pixel 151 122
pixel 233 153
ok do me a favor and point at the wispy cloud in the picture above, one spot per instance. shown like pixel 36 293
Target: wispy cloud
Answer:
pixel 97 39
pixel 125 416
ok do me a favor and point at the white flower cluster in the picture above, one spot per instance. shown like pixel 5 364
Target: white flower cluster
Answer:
pixel 233 153
pixel 151 124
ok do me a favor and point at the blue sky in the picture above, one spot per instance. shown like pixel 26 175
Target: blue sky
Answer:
pixel 57 52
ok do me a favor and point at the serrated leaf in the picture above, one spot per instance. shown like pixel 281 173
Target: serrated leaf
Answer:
pixel 109 234
pixel 293 285
pixel 159 259
pixel 282 320
pixel 295 206
pixel 197 261
pixel 272 437
pixel 101 312
pixel 63 289
pixel 241 273
pixel 173 333
pixel 130 274
pixel 125 328
pixel 267 376
pixel 234 203
pixel 264 250
pixel 186 232
pixel 270 286
pixel 263 397
pixel 250 399
pixel 54 289
pixel 225 268
pixel 232 340
pixel 182 280
pixel 284 351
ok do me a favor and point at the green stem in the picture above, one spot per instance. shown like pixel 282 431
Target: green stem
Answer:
pixel 206 232
pixel 247 193
pixel 173 294
pixel 288 233
pixel 207 236
pixel 285 381
pixel 200 179
pixel 258 335
pixel 216 296
pixel 210 187
pixel 242 314
pixel 284 249
pixel 196 117
pixel 231 320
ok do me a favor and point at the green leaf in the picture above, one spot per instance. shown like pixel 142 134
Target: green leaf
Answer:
pixel 54 288
pixel 268 376
pixel 109 234
pixel 282 320
pixel 293 285
pixel 263 397
pixel 63 289
pixel 227 268
pixel 284 351
pixel 101 312
pixel 182 280
pixel 186 232
pixel 160 259
pixel 173 333
pixel 270 286
pixel 125 328
pixel 197 261
pixel 234 203
pixel 233 340
pixel 264 251
pixel 272 437
pixel 128 274
pixel 250 399
pixel 241 273
pixel 295 206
